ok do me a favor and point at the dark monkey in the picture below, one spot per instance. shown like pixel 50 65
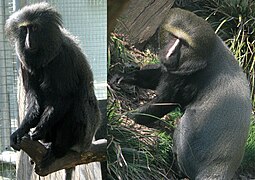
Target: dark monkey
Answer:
pixel 57 79
pixel 198 72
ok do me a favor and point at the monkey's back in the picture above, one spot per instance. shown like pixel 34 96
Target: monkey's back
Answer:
pixel 85 102
pixel 212 133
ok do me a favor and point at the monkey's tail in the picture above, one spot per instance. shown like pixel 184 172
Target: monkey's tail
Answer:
pixel 69 173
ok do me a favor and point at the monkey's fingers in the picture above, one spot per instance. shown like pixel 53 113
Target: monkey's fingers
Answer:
pixel 15 146
pixel 116 79
pixel 15 140
pixel 36 135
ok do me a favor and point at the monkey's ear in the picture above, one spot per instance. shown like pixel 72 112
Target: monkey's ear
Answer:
pixel 10 30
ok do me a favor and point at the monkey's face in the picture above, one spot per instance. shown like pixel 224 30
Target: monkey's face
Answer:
pixel 179 52
pixel 178 56
pixel 36 32
pixel 29 36
pixel 186 42
pixel 170 49
pixel 37 43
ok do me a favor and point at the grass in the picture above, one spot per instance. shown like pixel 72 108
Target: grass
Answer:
pixel 248 164
pixel 135 155
pixel 134 151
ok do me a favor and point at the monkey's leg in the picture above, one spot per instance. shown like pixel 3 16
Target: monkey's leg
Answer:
pixel 30 120
pixel 147 78
pixel 51 115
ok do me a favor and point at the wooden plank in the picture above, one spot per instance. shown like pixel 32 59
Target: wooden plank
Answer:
pixel 142 18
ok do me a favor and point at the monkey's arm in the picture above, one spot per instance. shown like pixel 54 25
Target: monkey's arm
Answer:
pixel 155 109
pixel 147 78
pixel 30 120
pixel 52 113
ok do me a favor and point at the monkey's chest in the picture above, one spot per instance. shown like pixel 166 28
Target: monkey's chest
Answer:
pixel 56 87
pixel 43 85
pixel 49 84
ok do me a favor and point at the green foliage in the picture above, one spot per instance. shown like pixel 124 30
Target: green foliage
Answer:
pixel 131 154
pixel 165 145
pixel 176 114
pixel 248 163
pixel 120 52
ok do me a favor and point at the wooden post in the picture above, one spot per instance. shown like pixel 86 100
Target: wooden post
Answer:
pixel 142 18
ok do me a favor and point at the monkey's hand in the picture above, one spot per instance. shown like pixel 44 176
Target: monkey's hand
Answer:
pixel 16 137
pixel 38 133
pixel 148 77
pixel 116 82
pixel 118 79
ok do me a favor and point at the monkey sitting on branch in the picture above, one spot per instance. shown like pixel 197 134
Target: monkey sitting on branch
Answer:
pixel 60 97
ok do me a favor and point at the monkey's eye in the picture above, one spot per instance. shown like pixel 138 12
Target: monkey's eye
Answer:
pixel 34 28
pixel 23 29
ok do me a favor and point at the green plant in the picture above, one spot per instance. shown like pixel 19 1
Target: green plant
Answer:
pixel 131 153
pixel 248 163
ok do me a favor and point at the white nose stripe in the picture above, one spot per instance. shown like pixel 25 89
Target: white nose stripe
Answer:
pixel 171 50
pixel 27 43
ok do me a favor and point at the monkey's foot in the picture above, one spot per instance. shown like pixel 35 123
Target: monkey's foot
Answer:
pixel 46 161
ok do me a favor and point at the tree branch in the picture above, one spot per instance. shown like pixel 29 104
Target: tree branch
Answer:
pixel 36 151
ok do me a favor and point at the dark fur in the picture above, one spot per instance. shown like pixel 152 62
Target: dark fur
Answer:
pixel 57 79
pixel 203 77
